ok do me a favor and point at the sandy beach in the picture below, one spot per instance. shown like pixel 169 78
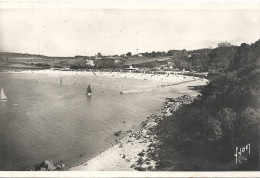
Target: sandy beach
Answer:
pixel 161 80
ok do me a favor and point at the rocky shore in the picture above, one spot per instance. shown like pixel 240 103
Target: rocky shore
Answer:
pixel 136 151
pixel 48 165
pixel 148 157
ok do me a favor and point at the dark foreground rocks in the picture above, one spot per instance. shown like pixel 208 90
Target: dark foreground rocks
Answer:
pixel 48 165
pixel 147 159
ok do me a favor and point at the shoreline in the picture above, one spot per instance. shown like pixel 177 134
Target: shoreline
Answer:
pixel 135 151
pixel 164 79
pixel 123 155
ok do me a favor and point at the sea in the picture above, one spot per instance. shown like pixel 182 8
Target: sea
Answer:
pixel 49 117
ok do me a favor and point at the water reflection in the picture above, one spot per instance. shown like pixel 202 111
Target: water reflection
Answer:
pixel 3 104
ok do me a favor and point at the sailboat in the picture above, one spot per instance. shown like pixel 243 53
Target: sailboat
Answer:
pixel 122 91
pixel 2 95
pixel 89 91
pixel 61 81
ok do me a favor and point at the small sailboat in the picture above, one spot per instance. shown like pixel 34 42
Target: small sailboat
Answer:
pixel 2 95
pixel 122 91
pixel 89 91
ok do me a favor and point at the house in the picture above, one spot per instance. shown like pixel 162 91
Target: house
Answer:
pixel 139 55
pixel 90 62
pixel 97 58
pixel 131 69
pixel 156 68
pixel 167 68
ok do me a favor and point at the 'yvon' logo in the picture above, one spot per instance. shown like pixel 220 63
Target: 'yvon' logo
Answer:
pixel 240 151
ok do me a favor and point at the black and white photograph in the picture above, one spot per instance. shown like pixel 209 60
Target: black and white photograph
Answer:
pixel 141 86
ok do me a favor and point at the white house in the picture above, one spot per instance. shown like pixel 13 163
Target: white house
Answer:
pixel 90 62
pixel 131 69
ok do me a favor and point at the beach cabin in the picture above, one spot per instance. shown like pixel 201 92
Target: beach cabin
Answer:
pixel 90 62
pixel 131 69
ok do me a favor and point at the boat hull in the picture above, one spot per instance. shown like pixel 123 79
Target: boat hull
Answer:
pixel 89 94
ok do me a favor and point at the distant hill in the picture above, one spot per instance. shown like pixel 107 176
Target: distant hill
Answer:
pixel 24 60
pixel 19 55
pixel 200 60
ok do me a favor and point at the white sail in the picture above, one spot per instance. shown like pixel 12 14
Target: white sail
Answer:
pixel 2 95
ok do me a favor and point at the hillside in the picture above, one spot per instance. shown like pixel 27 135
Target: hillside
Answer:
pixel 19 55
pixel 31 61
pixel 215 60
pixel 208 133
pixel 141 60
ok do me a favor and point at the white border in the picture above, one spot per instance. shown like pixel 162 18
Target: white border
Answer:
pixel 127 4
pixel 126 174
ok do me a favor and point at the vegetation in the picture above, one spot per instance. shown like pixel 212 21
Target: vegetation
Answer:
pixel 129 54
pixel 214 60
pixel 204 135
pixel 44 66
pixel 78 66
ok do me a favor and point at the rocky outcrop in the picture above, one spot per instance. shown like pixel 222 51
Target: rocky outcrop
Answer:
pixel 147 159
pixel 48 165
pixel 172 104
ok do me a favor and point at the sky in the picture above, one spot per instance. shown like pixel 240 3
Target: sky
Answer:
pixel 83 31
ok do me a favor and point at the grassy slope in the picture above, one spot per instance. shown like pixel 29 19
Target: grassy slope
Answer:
pixel 26 60
pixel 140 60
pixel 18 60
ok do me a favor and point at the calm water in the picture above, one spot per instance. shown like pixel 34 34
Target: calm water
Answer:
pixel 42 120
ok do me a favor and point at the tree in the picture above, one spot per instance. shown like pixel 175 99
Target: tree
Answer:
pixel 224 44
pixel 244 56
pixel 129 54
pixel 153 54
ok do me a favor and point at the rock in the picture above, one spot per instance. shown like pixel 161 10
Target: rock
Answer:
pixel 153 115
pixel 43 169
pixel 45 166
pixel 139 168
pixel 149 168
pixel 118 133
